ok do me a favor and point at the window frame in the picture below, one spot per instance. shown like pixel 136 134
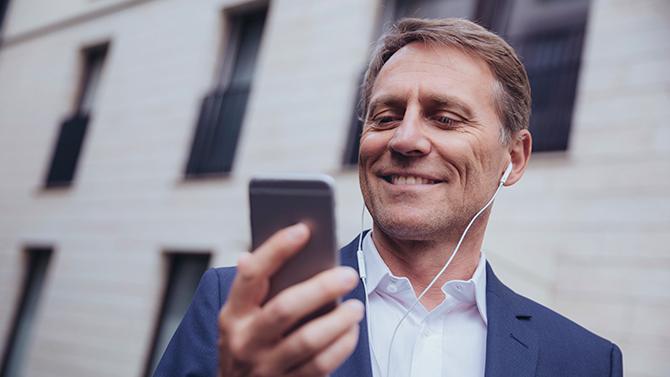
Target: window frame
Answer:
pixel 212 122
pixel 69 143
pixel 169 259
pixel 19 328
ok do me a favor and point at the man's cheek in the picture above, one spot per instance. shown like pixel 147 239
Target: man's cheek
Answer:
pixel 374 139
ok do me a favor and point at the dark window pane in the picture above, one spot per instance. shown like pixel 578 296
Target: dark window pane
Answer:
pixel 222 110
pixel 218 130
pixel 548 36
pixel 67 150
pixel 552 61
pixel 95 58
pixel 4 4
pixel 185 270
pixel 355 129
pixel 435 8
pixel 68 146
pixel 24 317
pixel 251 31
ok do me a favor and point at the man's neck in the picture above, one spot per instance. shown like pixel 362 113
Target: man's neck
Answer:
pixel 420 261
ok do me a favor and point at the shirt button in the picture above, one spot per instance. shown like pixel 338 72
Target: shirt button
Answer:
pixel 459 287
pixel 392 288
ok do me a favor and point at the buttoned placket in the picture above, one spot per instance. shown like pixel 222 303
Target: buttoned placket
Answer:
pixel 428 343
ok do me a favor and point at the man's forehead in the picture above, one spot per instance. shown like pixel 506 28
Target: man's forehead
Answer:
pixel 427 55
pixel 435 70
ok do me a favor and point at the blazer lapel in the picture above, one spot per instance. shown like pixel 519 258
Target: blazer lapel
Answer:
pixel 358 364
pixel 511 345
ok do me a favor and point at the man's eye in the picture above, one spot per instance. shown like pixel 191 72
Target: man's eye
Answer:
pixel 384 121
pixel 446 121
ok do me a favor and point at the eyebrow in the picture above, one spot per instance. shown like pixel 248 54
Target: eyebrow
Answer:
pixel 449 102
pixel 389 100
pixel 431 101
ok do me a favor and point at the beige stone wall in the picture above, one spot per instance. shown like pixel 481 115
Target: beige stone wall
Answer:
pixel 585 232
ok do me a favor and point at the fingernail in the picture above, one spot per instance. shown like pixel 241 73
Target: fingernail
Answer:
pixel 348 275
pixel 356 306
pixel 298 230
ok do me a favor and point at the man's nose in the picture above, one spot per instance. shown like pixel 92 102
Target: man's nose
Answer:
pixel 409 138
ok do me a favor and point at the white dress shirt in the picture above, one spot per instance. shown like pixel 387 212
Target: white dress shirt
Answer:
pixel 449 340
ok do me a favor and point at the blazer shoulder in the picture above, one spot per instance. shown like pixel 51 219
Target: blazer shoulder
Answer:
pixel 568 340
pixel 560 339
pixel 558 324
pixel 223 278
pixel 542 319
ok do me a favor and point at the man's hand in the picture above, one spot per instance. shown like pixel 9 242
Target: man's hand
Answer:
pixel 252 341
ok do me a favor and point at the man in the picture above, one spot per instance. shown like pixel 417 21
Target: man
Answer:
pixel 446 108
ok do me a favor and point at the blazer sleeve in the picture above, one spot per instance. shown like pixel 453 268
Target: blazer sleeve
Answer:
pixel 616 360
pixel 192 351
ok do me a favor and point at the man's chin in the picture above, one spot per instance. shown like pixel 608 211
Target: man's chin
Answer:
pixel 407 229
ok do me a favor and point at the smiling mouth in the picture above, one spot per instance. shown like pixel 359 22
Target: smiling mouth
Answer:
pixel 408 180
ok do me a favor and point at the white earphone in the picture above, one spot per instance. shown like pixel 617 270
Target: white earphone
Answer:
pixel 507 172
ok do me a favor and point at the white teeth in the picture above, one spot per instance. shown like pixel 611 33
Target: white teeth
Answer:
pixel 410 180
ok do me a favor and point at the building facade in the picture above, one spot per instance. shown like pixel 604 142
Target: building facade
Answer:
pixel 129 130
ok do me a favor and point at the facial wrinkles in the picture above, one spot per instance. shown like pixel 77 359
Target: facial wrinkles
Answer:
pixel 484 158
pixel 461 155
pixel 464 105
pixel 465 70
pixel 414 112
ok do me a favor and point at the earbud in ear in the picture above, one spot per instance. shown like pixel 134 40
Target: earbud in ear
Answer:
pixel 506 174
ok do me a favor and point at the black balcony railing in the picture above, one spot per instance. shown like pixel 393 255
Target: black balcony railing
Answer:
pixel 552 61
pixel 217 132
pixel 66 153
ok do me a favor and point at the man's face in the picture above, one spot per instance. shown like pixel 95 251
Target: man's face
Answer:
pixel 430 152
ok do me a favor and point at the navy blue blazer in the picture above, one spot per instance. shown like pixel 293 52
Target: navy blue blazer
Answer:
pixel 524 338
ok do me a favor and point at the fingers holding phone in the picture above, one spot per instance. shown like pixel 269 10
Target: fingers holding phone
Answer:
pixel 319 346
pixel 253 339
pixel 284 312
pixel 282 316
pixel 254 270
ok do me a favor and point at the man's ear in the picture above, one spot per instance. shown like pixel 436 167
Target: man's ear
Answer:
pixel 520 147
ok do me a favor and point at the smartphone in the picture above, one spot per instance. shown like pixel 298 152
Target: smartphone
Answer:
pixel 277 202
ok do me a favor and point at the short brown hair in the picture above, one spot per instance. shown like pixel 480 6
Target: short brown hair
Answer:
pixel 511 90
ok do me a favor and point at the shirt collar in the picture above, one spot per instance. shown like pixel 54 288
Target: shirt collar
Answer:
pixel 472 290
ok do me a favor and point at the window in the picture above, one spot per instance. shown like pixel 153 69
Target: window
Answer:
pixel 4 4
pixel 73 129
pixel 548 36
pixel 223 109
pixel 184 272
pixel 355 128
pixel 18 343
pixel 434 8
